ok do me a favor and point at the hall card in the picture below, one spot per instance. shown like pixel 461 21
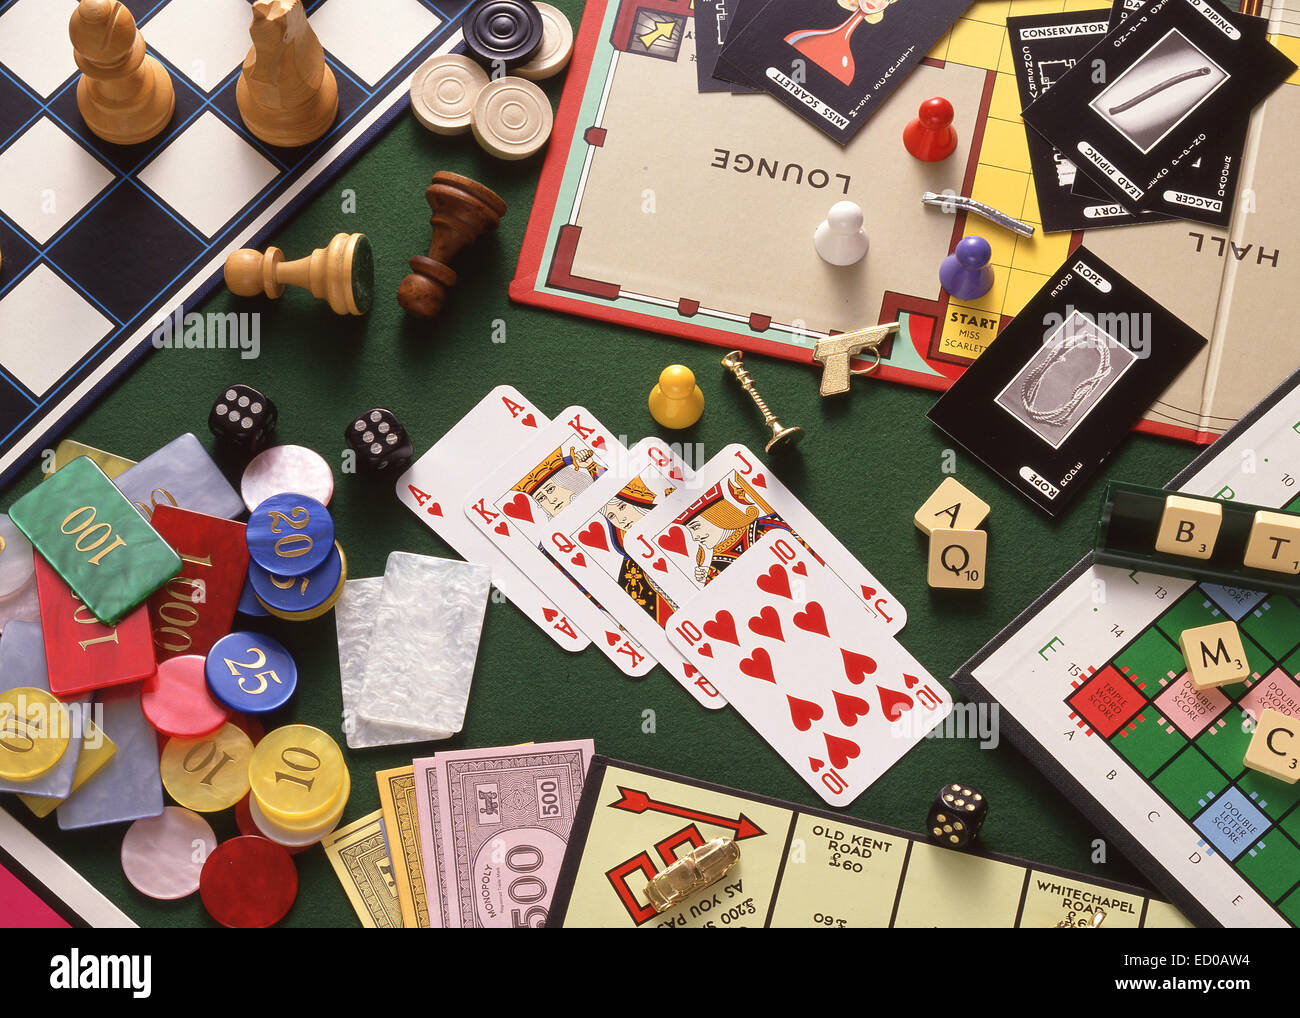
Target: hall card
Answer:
pixel 713 20
pixel 436 484
pixel 587 540
pixel 1179 80
pixel 783 640
pixel 834 63
pixel 714 519
pixel 514 504
pixel 1058 390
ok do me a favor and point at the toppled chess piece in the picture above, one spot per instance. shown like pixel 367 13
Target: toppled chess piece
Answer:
pixel 125 95
pixel 286 93
pixel 342 273
pixel 463 210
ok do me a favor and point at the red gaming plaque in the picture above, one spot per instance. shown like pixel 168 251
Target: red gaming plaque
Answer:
pixel 195 609
pixel 81 653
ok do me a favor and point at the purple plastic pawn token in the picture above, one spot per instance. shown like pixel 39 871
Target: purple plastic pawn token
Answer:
pixel 966 273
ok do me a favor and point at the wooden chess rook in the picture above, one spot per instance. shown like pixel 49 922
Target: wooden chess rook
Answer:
pixel 286 93
pixel 341 273
pixel 463 210
pixel 125 95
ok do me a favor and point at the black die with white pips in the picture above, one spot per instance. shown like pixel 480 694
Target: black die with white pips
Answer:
pixel 956 816
pixel 379 440
pixel 242 418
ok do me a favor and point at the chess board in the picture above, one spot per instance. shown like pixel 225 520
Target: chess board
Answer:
pixel 1093 688
pixel 101 244
pixel 693 214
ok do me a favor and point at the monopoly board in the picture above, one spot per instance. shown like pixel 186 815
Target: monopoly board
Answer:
pixel 803 867
pixel 1095 687
pixel 100 242
pixel 692 214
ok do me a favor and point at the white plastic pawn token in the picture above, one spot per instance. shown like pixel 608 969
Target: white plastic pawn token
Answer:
pixel 841 240
pixel 557 46
pixel 512 118
pixel 163 856
pixel 443 92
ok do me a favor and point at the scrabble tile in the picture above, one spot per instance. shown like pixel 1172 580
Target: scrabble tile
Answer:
pixel 1189 527
pixel 952 505
pixel 957 558
pixel 1214 655
pixel 1274 543
pixel 182 474
pixel 94 538
pixel 1275 747
pixel 83 654
pixel 197 608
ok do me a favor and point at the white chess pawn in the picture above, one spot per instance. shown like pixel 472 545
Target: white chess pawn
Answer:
pixel 840 239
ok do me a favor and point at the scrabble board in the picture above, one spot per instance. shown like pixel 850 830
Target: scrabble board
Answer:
pixel 1093 689
pixel 802 867
pixel 101 244
pixel 692 214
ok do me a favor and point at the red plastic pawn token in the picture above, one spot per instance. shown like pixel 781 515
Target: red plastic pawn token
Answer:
pixel 931 136
pixel 248 883
pixel 247 825
pixel 176 701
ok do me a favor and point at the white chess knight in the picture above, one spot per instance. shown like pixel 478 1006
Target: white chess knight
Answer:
pixel 840 239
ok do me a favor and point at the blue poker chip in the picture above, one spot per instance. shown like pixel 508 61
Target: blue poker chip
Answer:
pixel 290 534
pixel 250 673
pixel 289 596
pixel 248 602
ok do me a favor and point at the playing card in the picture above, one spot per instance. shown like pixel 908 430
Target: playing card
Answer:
pixel 713 20
pixel 834 63
pixel 783 641
pixel 512 506
pixel 587 540
pixel 708 524
pixel 436 485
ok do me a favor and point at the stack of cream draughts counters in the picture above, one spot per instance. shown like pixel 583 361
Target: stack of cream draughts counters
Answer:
pixel 509 115
pixel 407 645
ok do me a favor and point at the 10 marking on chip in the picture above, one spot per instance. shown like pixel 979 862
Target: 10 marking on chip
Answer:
pixel 290 534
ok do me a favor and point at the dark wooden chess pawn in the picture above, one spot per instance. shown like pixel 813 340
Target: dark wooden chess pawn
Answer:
pixel 463 210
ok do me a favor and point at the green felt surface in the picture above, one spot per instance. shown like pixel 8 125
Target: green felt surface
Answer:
pixel 867 461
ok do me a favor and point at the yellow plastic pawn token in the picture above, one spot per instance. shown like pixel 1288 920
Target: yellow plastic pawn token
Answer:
pixel 34 730
pixel 209 774
pixel 676 402
pixel 297 774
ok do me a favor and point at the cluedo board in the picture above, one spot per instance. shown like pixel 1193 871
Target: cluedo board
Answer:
pixel 102 243
pixel 803 867
pixel 692 214
pixel 1092 688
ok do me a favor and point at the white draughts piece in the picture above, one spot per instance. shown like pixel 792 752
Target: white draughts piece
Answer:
pixel 46 178
pixel 182 174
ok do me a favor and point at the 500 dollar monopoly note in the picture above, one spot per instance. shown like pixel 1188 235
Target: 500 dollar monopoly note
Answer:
pixel 498 820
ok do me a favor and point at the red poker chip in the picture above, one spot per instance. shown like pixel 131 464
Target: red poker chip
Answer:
pixel 247 825
pixel 249 725
pixel 248 883
pixel 176 700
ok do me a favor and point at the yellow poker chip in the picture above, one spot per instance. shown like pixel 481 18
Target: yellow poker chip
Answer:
pixel 208 774
pixel 300 837
pixel 34 732
pixel 297 775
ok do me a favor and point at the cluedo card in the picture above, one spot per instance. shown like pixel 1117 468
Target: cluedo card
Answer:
pixel 784 641
pixel 513 504
pixel 802 867
pixel 1171 85
pixel 717 517
pixel 587 540
pixel 1050 399
pixel 834 62
pixel 436 484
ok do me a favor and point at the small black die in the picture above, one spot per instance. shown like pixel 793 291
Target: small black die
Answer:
pixel 956 816
pixel 379 440
pixel 243 418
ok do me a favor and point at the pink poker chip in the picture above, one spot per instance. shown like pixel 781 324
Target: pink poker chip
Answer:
pixel 176 701
pixel 286 468
pixel 163 856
